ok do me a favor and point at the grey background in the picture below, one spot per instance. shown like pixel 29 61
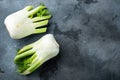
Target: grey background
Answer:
pixel 88 32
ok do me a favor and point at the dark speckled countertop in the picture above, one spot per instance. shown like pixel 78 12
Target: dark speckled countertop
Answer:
pixel 88 32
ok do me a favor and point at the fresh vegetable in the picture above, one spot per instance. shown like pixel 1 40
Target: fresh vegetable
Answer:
pixel 32 56
pixel 27 21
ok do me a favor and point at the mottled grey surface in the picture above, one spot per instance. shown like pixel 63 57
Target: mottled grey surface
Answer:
pixel 88 32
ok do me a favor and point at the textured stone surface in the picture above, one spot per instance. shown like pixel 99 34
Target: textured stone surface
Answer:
pixel 88 32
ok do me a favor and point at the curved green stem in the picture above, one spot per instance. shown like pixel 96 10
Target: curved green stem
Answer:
pixel 41 30
pixel 41 18
pixel 28 8
pixel 28 47
pixel 41 23
pixel 23 55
